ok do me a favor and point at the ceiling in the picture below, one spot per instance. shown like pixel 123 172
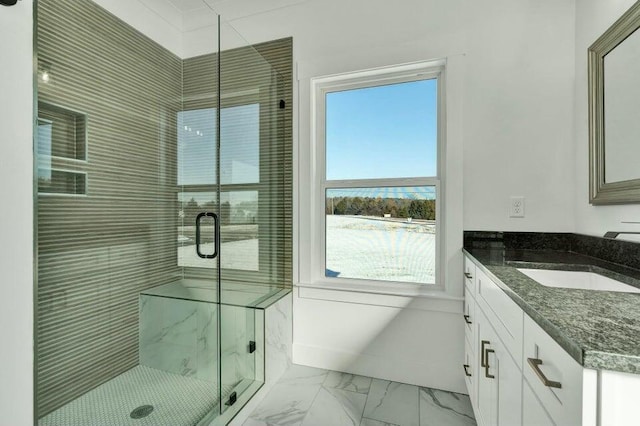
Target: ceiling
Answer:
pixel 187 15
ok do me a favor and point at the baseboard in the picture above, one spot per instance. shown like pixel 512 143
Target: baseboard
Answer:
pixel 403 371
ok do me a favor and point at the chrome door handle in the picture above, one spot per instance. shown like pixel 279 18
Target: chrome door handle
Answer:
pixel 468 275
pixel 486 367
pixel 467 319
pixel 535 363
pixel 466 371
pixel 482 353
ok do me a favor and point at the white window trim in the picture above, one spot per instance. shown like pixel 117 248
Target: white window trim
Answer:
pixel 390 75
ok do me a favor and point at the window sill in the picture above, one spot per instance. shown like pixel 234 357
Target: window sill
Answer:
pixel 405 296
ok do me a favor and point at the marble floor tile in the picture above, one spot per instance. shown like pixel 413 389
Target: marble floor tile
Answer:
pixel 336 407
pixel 445 408
pixel 286 404
pixel 256 422
pixel 307 396
pixel 371 422
pixel 393 402
pixel 349 382
pixel 302 375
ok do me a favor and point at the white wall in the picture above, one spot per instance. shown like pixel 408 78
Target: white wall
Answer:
pixel 16 215
pixel 518 115
pixel 594 17
pixel 515 130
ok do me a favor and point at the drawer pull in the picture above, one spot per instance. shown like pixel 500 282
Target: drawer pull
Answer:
pixel 534 363
pixel 467 319
pixel 466 371
pixel 486 367
pixel 483 363
pixel 468 275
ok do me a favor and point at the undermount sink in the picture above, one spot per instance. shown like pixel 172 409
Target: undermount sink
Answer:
pixel 577 279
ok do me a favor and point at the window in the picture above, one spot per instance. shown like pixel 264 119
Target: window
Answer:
pixel 378 178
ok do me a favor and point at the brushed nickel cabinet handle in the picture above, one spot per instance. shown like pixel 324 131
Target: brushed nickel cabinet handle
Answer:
pixel 535 363
pixel 468 275
pixel 486 367
pixel 466 371
pixel 482 353
pixel 467 319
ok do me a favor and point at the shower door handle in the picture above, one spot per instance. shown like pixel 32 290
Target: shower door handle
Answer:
pixel 216 233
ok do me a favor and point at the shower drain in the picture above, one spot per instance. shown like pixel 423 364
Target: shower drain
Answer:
pixel 142 411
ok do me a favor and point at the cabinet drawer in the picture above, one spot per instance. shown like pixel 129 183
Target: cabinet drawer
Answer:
pixel 470 366
pixel 469 276
pixel 503 313
pixel 470 322
pixel 544 360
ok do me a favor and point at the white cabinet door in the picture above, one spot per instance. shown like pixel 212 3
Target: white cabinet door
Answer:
pixel 533 413
pixel 509 379
pixel 471 373
pixel 554 377
pixel 499 379
pixel 487 376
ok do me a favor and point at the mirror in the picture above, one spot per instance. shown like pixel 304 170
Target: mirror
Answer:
pixel 614 112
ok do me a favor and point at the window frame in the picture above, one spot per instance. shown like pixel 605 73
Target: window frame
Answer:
pixel 319 185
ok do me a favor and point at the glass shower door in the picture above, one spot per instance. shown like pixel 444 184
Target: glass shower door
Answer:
pixel 251 212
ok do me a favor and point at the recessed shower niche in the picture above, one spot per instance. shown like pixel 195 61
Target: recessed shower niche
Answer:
pixel 163 220
pixel 62 150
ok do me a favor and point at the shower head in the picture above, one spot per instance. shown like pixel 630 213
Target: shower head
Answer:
pixel 8 2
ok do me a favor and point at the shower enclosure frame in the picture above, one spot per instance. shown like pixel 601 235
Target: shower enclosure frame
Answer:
pixel 218 269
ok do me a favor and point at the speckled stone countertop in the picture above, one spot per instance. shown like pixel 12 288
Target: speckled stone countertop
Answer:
pixel 599 329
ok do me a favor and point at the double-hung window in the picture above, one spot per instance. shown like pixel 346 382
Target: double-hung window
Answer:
pixel 377 206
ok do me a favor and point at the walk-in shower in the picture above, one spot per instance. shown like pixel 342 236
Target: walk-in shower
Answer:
pixel 163 213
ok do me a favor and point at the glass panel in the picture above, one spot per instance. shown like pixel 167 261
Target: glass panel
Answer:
pixel 239 230
pixel 197 163
pixel 240 153
pixel 190 205
pixel 238 225
pixel 123 332
pixel 382 132
pixel 386 234
pixel 251 210
pixel 238 348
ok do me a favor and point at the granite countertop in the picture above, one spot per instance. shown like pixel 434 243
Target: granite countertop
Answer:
pixel 599 329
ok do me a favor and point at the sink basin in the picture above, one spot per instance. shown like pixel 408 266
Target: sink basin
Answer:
pixel 577 279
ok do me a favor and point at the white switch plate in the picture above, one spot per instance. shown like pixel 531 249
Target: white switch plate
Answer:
pixel 516 208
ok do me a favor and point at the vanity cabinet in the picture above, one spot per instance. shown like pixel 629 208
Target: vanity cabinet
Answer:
pixel 512 366
pixel 495 391
pixel 517 374
pixel 554 377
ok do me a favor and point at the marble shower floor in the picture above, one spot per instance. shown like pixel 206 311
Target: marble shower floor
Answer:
pixel 309 396
pixel 177 400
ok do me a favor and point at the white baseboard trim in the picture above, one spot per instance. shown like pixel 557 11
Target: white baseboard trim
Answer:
pixel 419 374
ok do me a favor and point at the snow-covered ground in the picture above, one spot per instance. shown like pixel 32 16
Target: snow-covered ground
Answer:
pixel 378 249
pixel 357 247
pixel 241 255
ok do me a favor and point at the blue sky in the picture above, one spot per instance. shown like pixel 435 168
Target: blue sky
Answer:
pixel 382 132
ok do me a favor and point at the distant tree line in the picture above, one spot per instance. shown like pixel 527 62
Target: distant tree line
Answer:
pixel 368 206
pixel 243 212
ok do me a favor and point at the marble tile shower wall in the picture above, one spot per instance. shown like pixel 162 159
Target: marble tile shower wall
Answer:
pixel 180 336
